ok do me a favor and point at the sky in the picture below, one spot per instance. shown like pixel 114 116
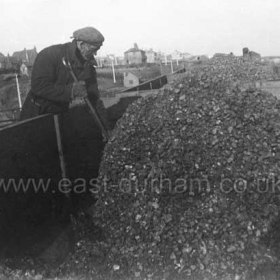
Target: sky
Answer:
pixel 193 26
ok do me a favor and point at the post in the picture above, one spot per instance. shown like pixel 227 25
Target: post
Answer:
pixel 59 146
pixel 61 155
pixel 171 66
pixel 113 68
pixel 18 93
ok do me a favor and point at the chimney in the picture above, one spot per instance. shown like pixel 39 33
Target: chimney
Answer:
pixel 245 51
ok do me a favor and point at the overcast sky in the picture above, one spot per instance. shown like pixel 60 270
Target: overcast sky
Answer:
pixel 193 26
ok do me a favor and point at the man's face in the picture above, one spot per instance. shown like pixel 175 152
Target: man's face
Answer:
pixel 87 50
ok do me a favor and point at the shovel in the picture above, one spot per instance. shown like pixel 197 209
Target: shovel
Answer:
pixel 97 119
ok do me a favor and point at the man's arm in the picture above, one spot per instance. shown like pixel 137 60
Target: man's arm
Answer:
pixel 44 76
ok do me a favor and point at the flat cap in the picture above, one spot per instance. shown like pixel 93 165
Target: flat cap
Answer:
pixel 89 35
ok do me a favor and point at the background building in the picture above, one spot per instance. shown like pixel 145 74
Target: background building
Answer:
pixel 137 76
pixel 135 56
pixel 250 55
pixel 26 56
pixel 152 56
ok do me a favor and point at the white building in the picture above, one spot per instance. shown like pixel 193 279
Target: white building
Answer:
pixel 151 56
pixel 177 55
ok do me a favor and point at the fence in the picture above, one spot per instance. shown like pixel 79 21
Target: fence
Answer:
pixel 9 116
pixel 12 115
pixel 149 85
pixel 112 100
pixel 180 71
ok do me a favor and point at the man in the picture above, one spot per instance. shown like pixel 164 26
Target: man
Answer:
pixel 52 84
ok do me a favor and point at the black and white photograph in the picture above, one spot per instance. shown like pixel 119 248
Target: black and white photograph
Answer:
pixel 140 140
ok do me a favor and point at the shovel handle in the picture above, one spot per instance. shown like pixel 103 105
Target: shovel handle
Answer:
pixel 105 133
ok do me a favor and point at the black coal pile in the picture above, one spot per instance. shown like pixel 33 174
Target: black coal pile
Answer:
pixel 190 181
pixel 238 70
pixel 242 70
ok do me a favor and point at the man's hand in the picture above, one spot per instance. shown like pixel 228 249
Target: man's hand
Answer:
pixel 79 90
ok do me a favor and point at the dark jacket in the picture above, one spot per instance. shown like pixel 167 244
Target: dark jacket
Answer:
pixel 51 81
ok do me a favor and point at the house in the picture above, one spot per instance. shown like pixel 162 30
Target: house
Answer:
pixel 137 76
pixel 202 57
pixel 9 63
pixel 177 55
pixel 198 58
pixel 186 56
pixel 26 56
pixel 120 60
pixel 131 79
pixel 103 61
pixel 135 56
pixel 165 58
pixel 4 62
pixel 221 55
pixel 250 55
pixel 152 56
pixel 2 59
pixel 271 59
pixel 106 61
pixel 160 56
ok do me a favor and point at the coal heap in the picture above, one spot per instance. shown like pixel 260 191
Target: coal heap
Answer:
pixel 188 183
